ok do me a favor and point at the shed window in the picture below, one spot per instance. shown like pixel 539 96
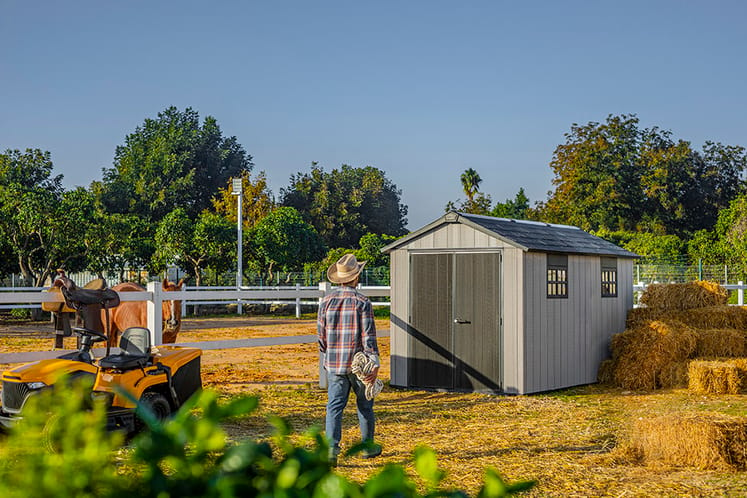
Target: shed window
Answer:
pixel 557 276
pixel 609 277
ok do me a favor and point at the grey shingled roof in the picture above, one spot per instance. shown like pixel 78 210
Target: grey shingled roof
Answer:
pixel 529 235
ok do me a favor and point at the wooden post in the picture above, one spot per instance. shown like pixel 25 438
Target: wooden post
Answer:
pixel 326 288
pixel 298 301
pixel 740 294
pixel 155 312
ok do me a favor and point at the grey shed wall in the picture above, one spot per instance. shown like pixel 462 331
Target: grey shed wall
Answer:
pixel 545 343
pixel 566 339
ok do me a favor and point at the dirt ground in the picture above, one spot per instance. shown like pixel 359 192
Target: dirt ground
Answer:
pixel 572 441
pixel 233 370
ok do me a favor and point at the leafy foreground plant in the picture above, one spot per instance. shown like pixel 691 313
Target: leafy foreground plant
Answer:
pixel 70 454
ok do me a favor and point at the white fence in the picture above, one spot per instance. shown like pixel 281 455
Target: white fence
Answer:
pixel 154 296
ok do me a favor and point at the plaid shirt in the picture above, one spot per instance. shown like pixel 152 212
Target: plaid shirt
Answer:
pixel 345 325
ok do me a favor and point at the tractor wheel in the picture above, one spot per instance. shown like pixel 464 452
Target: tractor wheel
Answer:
pixel 157 404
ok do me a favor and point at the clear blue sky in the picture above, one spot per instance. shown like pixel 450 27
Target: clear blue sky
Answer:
pixel 420 89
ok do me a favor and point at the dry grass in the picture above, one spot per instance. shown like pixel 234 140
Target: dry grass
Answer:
pixel 571 440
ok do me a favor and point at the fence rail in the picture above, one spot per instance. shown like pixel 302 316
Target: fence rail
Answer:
pixel 25 297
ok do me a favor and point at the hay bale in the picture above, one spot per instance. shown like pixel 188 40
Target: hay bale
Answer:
pixel 685 296
pixel 712 317
pixel 641 355
pixel 713 377
pixel 720 342
pixel 704 440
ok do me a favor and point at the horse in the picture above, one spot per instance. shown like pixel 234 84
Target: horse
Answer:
pixel 134 313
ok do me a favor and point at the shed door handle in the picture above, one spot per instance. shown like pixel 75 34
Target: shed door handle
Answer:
pixel 459 320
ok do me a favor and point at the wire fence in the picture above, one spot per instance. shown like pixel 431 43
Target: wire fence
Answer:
pixel 643 273
pixel 369 277
pixel 678 273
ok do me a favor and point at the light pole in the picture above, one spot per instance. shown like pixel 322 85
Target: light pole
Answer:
pixel 238 191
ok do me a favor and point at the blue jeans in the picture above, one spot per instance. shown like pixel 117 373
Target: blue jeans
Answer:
pixel 338 391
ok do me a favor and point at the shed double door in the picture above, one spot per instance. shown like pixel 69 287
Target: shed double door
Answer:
pixel 455 321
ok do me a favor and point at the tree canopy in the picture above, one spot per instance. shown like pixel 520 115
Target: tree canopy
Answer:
pixel 345 204
pixel 256 203
pixel 44 226
pixel 168 162
pixel 618 176
pixel 210 241
pixel 283 240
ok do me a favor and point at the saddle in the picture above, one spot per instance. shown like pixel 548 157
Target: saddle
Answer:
pixel 87 301
pixel 94 292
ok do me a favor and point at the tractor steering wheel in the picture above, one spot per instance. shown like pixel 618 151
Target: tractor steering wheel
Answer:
pixel 95 335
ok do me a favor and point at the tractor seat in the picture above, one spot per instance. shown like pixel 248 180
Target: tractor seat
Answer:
pixel 135 346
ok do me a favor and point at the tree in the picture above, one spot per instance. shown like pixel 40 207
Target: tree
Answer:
pixel 282 239
pixel 470 183
pixel 617 176
pixel 370 249
pixel 209 241
pixel 665 248
pixel 346 203
pixel 597 178
pixel 256 202
pixel 119 242
pixel 168 162
pixel 516 208
pixel 476 202
pixel 45 227
pixel 728 239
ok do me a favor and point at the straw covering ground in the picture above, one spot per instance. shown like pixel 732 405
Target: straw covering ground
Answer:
pixel 573 441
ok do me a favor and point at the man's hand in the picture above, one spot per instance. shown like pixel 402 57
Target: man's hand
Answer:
pixel 372 376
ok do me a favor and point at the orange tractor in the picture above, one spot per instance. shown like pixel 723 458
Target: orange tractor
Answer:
pixel 161 378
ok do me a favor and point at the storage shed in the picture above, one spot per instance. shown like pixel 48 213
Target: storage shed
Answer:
pixel 505 306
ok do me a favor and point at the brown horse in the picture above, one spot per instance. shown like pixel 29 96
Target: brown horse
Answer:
pixel 134 313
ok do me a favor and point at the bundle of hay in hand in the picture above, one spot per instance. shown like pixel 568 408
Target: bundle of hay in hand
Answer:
pixel 704 440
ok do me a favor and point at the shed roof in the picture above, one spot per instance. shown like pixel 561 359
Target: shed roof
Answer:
pixel 526 235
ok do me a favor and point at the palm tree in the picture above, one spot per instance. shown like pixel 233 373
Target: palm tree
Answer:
pixel 470 183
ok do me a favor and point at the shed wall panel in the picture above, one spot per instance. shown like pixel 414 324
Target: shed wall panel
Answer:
pixel 567 338
pixel 400 304
pixel 513 319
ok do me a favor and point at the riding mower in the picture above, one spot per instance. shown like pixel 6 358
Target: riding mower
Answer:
pixel 160 378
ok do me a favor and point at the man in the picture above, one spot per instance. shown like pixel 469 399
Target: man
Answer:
pixel 345 326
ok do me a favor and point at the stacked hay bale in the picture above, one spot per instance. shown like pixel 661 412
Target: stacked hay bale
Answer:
pixel 681 323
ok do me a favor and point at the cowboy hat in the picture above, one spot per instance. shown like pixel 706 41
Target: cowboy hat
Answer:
pixel 345 270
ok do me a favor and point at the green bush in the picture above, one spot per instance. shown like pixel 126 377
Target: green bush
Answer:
pixel 20 313
pixel 68 453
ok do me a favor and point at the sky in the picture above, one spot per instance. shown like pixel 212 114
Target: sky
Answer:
pixel 419 89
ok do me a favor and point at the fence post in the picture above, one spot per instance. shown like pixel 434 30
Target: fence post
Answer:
pixel 184 302
pixel 298 301
pixel 155 313
pixel 740 294
pixel 325 287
